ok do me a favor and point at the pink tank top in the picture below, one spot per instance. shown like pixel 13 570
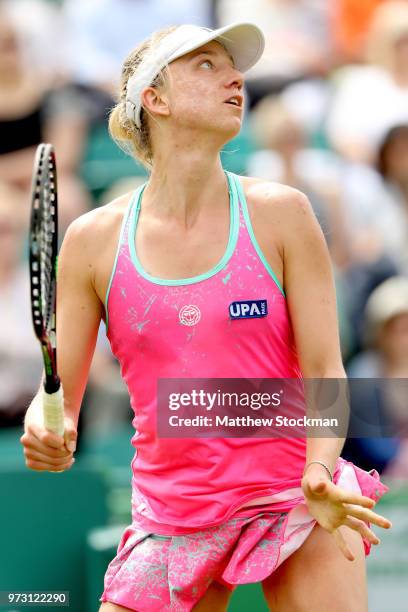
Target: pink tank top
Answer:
pixel 182 329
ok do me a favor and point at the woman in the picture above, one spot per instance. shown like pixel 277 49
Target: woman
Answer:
pixel 17 341
pixel 392 215
pixel 369 98
pixel 385 358
pixel 33 111
pixel 209 513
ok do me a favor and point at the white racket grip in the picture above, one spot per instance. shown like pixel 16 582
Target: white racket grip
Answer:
pixel 53 410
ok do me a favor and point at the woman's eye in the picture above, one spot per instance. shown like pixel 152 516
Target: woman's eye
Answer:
pixel 207 63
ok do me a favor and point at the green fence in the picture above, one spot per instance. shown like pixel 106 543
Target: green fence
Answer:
pixel 44 521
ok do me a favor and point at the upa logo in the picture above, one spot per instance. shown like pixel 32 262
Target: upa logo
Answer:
pixel 189 315
pixel 250 309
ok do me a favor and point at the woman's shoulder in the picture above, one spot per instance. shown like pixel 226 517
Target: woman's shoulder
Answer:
pixel 269 198
pixel 278 213
pixel 267 190
pixel 98 225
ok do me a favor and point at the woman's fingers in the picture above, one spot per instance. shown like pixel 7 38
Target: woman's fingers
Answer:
pixel 342 544
pixel 367 515
pixel 45 458
pixel 347 497
pixel 34 430
pixel 41 466
pixel 362 528
pixel 47 451
pixel 324 488
pixel 43 452
pixel 31 443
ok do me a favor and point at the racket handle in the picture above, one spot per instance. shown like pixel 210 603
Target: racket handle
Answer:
pixel 53 410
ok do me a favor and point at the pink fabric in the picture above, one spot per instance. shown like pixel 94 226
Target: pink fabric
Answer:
pixel 195 491
pixel 181 485
pixel 171 573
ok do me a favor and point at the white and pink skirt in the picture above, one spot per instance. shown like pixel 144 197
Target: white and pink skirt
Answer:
pixel 172 573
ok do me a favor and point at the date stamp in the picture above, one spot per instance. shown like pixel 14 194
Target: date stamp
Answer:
pixel 35 598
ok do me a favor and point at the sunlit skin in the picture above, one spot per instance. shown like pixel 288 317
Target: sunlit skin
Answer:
pixel 194 98
pixel 400 63
pixel 393 342
pixel 183 231
pixel 396 161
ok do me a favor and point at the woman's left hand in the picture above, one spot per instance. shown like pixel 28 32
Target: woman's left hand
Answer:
pixel 333 506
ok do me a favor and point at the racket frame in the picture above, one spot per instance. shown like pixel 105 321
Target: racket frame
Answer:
pixel 44 184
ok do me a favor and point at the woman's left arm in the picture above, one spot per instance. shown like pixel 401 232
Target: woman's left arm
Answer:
pixel 309 286
pixel 311 298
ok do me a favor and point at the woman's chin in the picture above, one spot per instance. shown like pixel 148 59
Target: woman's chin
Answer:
pixel 231 128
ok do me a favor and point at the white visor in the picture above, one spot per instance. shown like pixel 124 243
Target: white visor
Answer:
pixel 245 43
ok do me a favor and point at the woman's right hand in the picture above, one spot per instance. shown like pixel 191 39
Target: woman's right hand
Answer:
pixel 46 451
pixel 333 506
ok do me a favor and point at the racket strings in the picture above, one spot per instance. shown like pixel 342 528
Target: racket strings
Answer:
pixel 47 250
pixel 43 248
pixel 43 259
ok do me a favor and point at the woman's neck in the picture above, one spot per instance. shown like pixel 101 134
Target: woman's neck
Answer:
pixel 183 182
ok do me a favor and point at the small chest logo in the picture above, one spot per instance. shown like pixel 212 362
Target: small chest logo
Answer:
pixel 250 309
pixel 190 315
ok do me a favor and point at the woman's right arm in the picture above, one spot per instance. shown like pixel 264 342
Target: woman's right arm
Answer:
pixel 79 312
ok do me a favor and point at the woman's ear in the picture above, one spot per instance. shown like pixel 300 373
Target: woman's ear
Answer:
pixel 155 102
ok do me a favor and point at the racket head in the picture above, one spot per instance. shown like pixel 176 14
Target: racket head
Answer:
pixel 43 257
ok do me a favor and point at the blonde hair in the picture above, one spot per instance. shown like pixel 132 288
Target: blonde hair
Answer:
pixel 131 139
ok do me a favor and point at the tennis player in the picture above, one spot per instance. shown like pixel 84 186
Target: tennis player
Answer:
pixel 163 267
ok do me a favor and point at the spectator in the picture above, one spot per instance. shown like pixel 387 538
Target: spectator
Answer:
pixel 297 40
pixel 286 157
pixel 369 100
pixel 41 29
pixel 385 357
pixel 102 33
pixel 393 167
pixel 31 112
pixel 19 351
pixel 351 22
pixel 376 212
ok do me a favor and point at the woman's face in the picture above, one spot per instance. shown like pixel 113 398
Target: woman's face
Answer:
pixel 205 92
pixel 394 336
pixel 401 52
pixel 9 48
pixel 397 159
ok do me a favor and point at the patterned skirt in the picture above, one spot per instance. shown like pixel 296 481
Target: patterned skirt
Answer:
pixel 172 573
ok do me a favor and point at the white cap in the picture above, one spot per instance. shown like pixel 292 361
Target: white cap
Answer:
pixel 244 41
pixel 387 300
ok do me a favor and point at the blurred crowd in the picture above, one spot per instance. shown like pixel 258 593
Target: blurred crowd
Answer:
pixel 326 112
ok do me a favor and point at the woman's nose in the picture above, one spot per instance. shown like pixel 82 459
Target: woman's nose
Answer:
pixel 236 79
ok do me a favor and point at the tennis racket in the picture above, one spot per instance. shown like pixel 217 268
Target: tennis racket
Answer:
pixel 43 246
